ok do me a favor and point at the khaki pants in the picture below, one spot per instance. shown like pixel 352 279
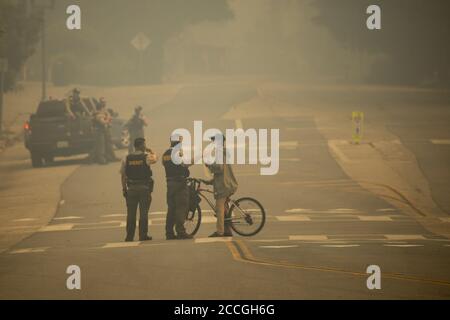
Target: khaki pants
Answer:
pixel 220 213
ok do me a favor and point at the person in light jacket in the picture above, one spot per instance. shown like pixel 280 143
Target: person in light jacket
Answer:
pixel 225 185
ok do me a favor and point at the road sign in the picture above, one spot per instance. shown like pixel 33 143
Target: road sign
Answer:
pixel 140 42
pixel 358 121
pixel 3 65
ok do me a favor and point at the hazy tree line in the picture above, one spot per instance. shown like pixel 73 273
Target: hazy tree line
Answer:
pixel 19 34
pixel 102 53
pixel 413 44
pixel 412 47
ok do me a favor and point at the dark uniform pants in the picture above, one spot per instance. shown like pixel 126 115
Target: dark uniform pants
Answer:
pixel 109 148
pixel 142 197
pixel 100 146
pixel 178 206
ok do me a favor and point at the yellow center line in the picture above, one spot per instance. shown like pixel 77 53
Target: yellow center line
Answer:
pixel 242 253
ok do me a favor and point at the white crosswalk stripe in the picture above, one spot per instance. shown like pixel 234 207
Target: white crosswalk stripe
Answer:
pixel 67 218
pixel 57 227
pixel 30 250
pixel 440 141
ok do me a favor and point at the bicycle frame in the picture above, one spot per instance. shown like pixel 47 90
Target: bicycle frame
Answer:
pixel 200 192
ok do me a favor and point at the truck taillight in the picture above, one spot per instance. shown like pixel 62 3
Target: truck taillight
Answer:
pixel 26 126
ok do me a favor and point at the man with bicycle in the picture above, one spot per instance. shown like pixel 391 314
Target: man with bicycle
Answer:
pixel 225 185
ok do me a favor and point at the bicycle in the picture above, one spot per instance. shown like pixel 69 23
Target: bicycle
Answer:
pixel 246 216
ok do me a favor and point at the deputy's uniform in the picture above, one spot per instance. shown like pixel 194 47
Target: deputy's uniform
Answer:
pixel 109 149
pixel 136 167
pixel 100 126
pixel 177 196
pixel 136 129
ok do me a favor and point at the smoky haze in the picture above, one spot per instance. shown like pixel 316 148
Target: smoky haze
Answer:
pixel 277 38
pixel 303 40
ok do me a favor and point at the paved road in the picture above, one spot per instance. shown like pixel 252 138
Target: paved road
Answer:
pixel 323 230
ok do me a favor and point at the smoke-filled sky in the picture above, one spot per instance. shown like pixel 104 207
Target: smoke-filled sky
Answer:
pixel 272 36
pixel 310 40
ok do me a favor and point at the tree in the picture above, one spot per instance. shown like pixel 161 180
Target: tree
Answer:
pixel 414 36
pixel 18 36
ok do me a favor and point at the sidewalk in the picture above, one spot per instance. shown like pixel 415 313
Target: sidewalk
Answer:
pixel 27 196
pixel 382 164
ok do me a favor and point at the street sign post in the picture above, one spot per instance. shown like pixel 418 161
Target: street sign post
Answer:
pixel 3 69
pixel 140 42
pixel 358 122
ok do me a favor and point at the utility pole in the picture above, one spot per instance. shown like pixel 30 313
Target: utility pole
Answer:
pixel 3 69
pixel 44 58
pixel 1 96
pixel 43 6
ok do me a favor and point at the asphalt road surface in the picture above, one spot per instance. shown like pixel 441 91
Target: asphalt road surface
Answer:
pixel 323 229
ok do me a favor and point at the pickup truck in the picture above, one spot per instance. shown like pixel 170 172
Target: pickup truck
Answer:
pixel 53 131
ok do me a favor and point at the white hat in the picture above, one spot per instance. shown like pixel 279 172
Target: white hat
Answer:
pixel 175 137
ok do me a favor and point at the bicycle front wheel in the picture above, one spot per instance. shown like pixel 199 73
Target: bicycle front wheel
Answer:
pixel 247 217
pixel 193 221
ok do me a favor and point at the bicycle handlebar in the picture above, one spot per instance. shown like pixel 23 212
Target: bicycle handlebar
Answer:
pixel 199 182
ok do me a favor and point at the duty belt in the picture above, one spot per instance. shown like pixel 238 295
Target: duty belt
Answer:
pixel 139 182
pixel 176 179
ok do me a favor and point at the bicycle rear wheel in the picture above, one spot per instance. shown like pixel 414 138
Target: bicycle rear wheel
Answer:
pixel 247 217
pixel 193 221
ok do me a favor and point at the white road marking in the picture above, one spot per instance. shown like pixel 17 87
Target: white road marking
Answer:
pixel 309 238
pixel 121 245
pixel 386 210
pixel 375 218
pixel 57 227
pixel 343 210
pixel 30 250
pixel 155 213
pixel 403 245
pixel 404 237
pixel 62 202
pixel 340 245
pixel 440 141
pixel 67 218
pixel 296 218
pixel 99 223
pixel 278 247
pixel 329 211
pixel 205 220
pixel 212 240
pixel 445 219
pixel 269 240
pixel 289 145
pixel 25 220
pixel 333 145
pixel 297 210
pixel 114 215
